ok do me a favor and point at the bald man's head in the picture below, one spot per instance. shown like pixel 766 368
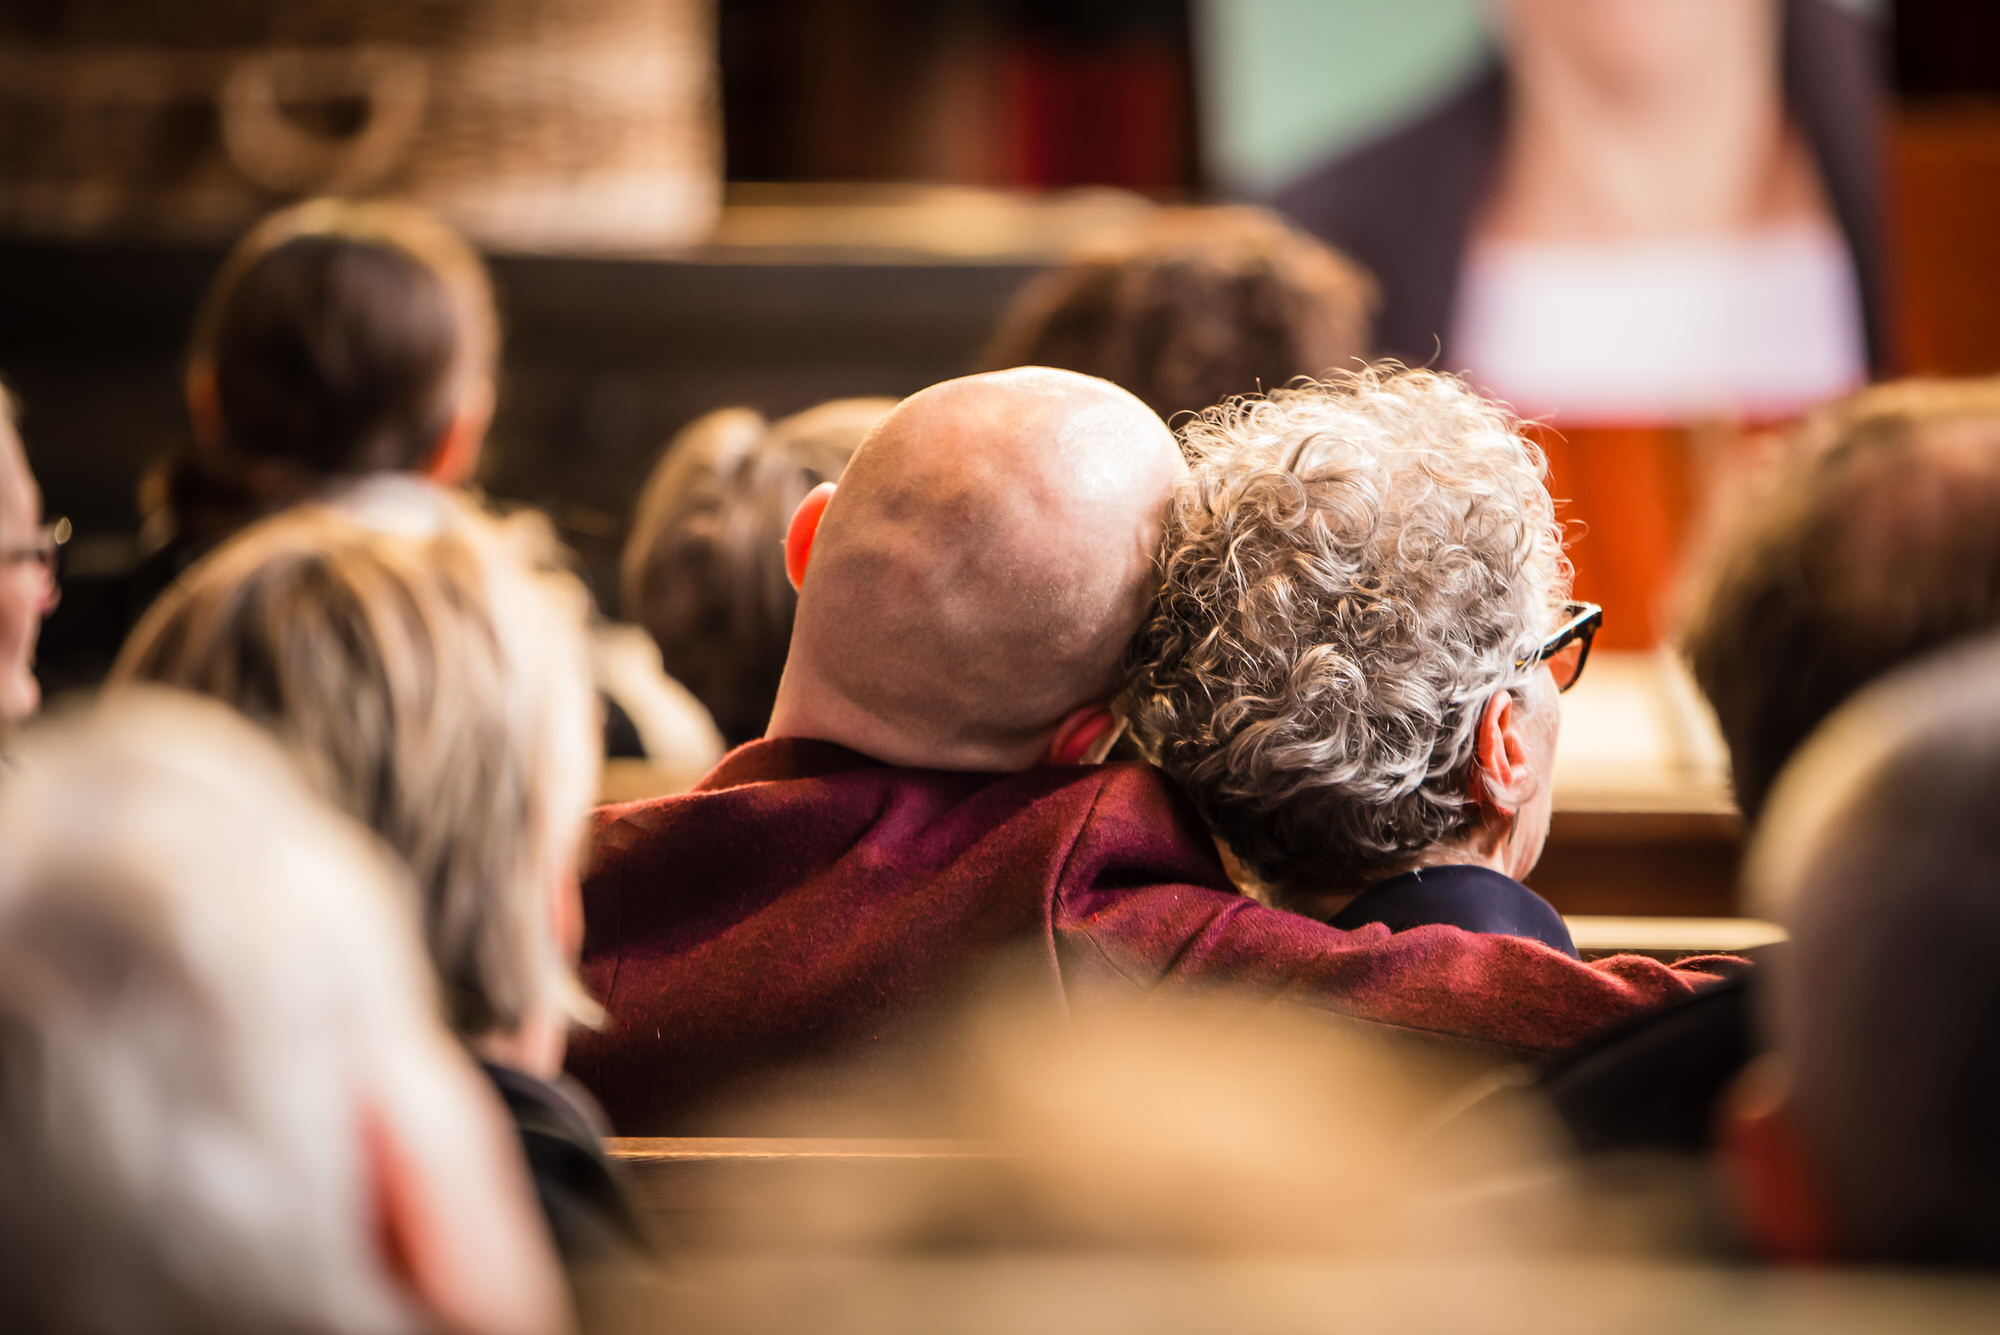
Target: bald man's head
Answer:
pixel 977 577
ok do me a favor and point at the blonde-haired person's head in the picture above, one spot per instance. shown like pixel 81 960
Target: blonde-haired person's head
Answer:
pixel 229 1103
pixel 1357 571
pixel 428 664
pixel 704 568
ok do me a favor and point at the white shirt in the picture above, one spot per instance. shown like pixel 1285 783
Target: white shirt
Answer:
pixel 1759 325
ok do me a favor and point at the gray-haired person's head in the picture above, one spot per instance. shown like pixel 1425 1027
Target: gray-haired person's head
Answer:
pixel 428 664
pixel 224 1084
pixel 1353 570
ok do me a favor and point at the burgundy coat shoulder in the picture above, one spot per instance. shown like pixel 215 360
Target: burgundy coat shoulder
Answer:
pixel 804 901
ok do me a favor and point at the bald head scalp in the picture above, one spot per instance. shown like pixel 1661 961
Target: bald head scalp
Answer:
pixel 980 571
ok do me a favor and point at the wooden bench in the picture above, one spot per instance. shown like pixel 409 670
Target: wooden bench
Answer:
pixel 706 1194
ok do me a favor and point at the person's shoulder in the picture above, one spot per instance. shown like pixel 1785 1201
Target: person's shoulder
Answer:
pixel 1349 197
pixel 1133 808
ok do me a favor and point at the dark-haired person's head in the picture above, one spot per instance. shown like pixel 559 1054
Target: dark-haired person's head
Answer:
pixel 704 568
pixel 342 338
pixel 1873 539
pixel 1193 306
pixel 1867 1133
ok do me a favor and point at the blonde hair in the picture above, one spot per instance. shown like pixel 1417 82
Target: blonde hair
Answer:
pixel 429 666
pixel 205 976
pixel 1352 569
pixel 704 568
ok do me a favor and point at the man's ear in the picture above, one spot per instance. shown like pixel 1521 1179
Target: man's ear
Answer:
pixel 799 534
pixel 1779 1199
pixel 456 456
pixel 1083 738
pixel 405 1229
pixel 1501 757
pixel 463 1245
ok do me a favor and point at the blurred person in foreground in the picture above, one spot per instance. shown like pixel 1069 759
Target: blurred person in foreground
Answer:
pixel 427 665
pixel 1354 663
pixel 1871 539
pixel 1866 1135
pixel 703 570
pixel 28 589
pixel 230 1103
pixel 926 795
pixel 1193 306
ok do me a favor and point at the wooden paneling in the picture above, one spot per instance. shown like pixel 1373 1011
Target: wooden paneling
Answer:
pixel 1944 251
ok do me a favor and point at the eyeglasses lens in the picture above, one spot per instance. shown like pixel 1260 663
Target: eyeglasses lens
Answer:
pixel 1566 664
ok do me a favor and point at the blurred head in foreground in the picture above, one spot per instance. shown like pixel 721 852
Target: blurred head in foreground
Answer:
pixel 1874 539
pixel 1193 1121
pixel 1342 669
pixel 704 567
pixel 1868 1134
pixel 1192 307
pixel 340 338
pixel 427 664
pixel 228 1102
pixel 28 589
pixel 968 591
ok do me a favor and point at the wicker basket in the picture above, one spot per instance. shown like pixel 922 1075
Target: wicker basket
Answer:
pixel 534 125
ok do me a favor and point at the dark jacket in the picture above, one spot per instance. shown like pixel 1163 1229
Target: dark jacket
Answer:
pixel 1474 899
pixel 581 1191
pixel 803 902
pixel 1404 205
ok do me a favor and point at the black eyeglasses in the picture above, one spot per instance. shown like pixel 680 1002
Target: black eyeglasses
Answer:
pixel 46 547
pixel 1568 647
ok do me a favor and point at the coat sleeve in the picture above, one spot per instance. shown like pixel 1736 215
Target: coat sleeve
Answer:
pixel 1440 982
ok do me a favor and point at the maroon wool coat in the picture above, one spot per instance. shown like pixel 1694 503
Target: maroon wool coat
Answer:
pixel 805 900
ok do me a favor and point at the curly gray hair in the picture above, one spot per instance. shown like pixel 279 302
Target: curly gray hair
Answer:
pixel 1352 568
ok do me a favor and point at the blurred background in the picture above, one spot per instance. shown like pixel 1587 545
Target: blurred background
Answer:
pixel 693 203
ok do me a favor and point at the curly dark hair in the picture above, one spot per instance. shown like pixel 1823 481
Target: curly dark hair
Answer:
pixel 1192 307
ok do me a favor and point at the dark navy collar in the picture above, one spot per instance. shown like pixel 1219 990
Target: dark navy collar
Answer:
pixel 1477 899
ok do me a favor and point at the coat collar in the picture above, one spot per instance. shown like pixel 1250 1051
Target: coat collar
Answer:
pixel 1477 899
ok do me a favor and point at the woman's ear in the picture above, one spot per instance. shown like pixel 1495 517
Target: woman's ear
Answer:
pixel 455 458
pixel 799 534
pixel 1501 760
pixel 1779 1200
